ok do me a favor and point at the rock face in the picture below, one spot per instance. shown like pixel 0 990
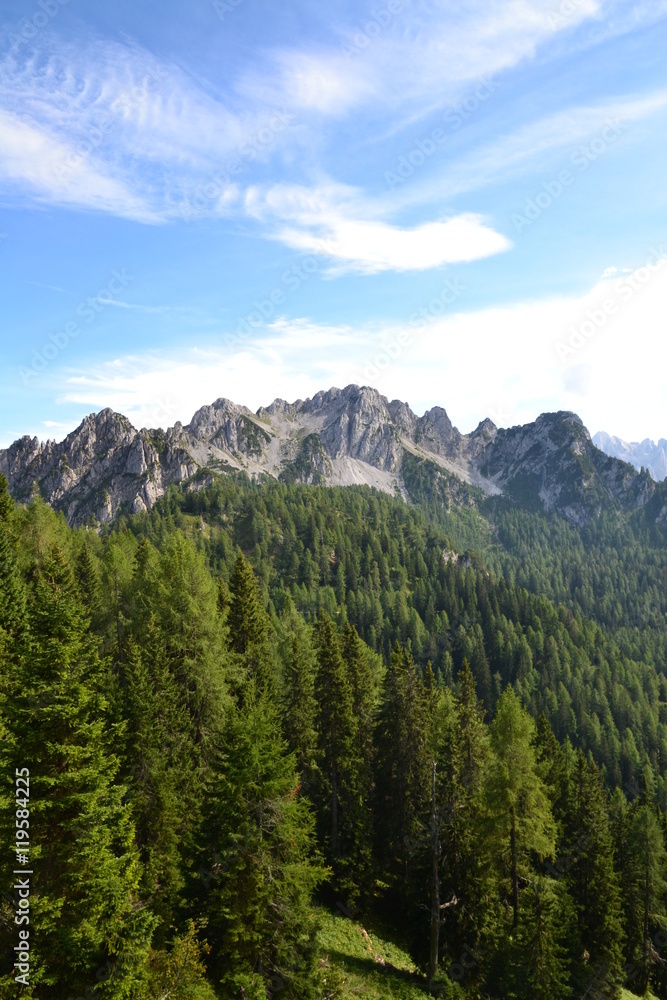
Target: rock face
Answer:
pixel 353 435
pixel 644 454
pixel 553 463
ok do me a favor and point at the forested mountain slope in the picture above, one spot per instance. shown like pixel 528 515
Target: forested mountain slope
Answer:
pixel 442 714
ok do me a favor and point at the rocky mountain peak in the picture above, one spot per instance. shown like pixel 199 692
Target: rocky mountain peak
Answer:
pixel 343 436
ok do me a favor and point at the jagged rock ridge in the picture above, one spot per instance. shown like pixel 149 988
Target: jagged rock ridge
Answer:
pixel 348 436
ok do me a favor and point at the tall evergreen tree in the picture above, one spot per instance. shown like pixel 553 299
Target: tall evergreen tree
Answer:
pixel 86 902
pixel 517 799
pixel 404 769
pixel 12 589
pixel 260 833
pixel 299 665
pixel 338 782
pixel 182 597
pixel 467 868
pixel 88 582
pixel 250 627
pixel 645 892
pixel 162 766
pixel 588 853
pixel 538 956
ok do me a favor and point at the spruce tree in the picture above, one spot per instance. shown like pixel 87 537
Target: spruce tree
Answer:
pixel 162 768
pixel 182 596
pixel 538 956
pixel 466 865
pixel 645 890
pixel 259 836
pixel 337 788
pixel 404 768
pixel 299 665
pixel 12 589
pixel 357 658
pixel 88 582
pixel 587 854
pixel 250 627
pixel 86 903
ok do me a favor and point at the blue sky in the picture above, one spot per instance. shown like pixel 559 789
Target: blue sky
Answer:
pixel 461 204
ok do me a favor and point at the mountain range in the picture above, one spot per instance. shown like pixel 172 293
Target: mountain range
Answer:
pixel 644 454
pixel 338 437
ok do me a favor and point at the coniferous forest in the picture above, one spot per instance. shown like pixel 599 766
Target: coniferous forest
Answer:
pixel 314 743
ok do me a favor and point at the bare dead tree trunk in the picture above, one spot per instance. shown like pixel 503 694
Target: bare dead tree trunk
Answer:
pixel 515 873
pixel 335 848
pixel 435 885
pixel 437 908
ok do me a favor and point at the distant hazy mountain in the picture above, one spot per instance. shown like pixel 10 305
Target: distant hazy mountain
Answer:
pixel 339 437
pixel 644 453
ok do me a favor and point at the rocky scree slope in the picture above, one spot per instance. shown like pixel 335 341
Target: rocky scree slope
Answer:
pixel 339 437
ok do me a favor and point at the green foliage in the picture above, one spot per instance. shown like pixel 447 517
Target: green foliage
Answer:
pixel 517 798
pixel 261 926
pixel 218 694
pixel 395 577
pixel 85 906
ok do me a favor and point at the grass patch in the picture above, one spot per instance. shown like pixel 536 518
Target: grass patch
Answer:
pixel 370 964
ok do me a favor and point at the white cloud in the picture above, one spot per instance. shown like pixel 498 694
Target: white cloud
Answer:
pixel 509 363
pixel 531 147
pixel 436 47
pixel 30 156
pixel 109 127
pixel 337 222
pixel 370 247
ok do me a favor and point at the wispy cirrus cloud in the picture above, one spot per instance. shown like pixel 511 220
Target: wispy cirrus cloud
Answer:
pixel 533 145
pixel 29 157
pixel 109 127
pixel 435 47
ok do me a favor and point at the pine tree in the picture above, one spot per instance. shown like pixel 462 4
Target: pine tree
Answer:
pixel 88 582
pixel 339 764
pixel 538 958
pixel 645 889
pixel 182 596
pixel 12 590
pixel 357 658
pixel 250 627
pixel 404 769
pixel 259 830
pixel 588 859
pixel 86 902
pixel 466 865
pixel 162 767
pixel 248 621
pixel 516 797
pixel 299 703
